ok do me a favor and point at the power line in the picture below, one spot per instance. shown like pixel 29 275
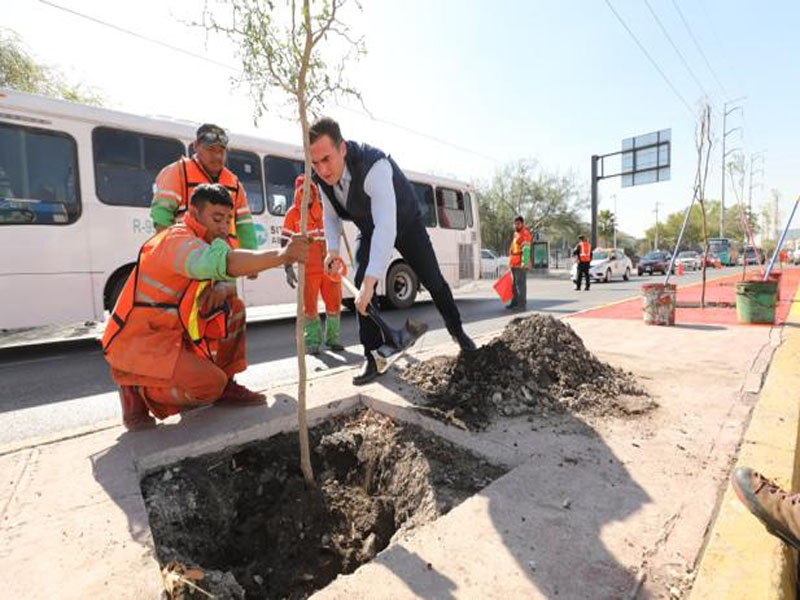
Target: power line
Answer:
pixel 675 47
pixel 236 70
pixel 139 35
pixel 699 48
pixel 650 58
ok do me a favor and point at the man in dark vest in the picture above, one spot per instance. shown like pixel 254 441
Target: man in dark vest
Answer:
pixel 360 183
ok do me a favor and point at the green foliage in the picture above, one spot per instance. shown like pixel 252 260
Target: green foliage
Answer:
pixel 548 202
pixel 670 228
pixel 605 227
pixel 19 71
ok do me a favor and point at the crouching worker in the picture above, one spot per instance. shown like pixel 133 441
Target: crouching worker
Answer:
pixel 317 281
pixel 176 336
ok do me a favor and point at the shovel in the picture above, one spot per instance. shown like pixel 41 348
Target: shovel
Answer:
pixel 395 341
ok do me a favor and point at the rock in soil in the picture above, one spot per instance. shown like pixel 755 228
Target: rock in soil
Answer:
pixel 537 364
pixel 247 513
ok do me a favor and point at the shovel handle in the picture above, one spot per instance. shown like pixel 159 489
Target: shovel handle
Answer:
pixel 371 310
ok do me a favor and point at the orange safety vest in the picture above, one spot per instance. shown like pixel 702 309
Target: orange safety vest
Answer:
pixel 585 251
pixel 184 175
pixel 158 309
pixel 314 226
pixel 520 239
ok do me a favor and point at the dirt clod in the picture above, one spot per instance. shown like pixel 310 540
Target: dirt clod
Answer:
pixel 244 515
pixel 537 365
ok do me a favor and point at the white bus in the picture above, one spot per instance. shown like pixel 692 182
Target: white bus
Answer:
pixel 75 189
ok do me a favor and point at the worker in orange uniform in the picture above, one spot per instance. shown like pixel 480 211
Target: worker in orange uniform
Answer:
pixel 583 255
pixel 176 182
pixel 519 260
pixel 317 279
pixel 176 334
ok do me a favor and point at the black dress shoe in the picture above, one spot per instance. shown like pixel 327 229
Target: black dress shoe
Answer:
pixel 464 341
pixel 511 306
pixel 369 372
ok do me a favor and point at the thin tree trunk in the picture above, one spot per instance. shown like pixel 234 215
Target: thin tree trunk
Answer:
pixel 305 450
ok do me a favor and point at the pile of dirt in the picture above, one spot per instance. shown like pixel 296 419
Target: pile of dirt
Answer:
pixel 538 364
pixel 246 517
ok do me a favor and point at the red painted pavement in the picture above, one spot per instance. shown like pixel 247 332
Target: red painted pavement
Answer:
pixel 718 290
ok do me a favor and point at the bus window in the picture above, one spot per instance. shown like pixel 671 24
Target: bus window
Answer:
pixel 468 208
pixel 247 167
pixel 126 164
pixel 38 177
pixel 425 202
pixel 280 175
pixel 450 205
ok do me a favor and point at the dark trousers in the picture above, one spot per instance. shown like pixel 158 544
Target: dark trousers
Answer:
pixel 520 287
pixel 415 247
pixel 583 271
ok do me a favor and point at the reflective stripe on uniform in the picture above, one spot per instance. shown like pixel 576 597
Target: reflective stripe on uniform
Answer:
pixel 159 286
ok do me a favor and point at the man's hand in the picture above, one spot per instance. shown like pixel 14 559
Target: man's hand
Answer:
pixel 215 295
pixel 365 294
pixel 330 262
pixel 291 278
pixel 296 250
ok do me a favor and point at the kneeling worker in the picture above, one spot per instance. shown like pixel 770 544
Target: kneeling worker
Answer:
pixel 316 280
pixel 176 335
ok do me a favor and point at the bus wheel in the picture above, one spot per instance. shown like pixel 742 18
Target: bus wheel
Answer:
pixel 401 286
pixel 114 287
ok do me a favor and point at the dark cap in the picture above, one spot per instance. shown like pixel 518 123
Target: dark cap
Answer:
pixel 209 134
pixel 581 237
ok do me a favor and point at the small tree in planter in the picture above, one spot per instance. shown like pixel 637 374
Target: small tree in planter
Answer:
pixel 279 45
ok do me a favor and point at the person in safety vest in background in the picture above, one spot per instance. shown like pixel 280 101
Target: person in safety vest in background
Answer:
pixel 583 254
pixel 317 280
pixel 176 335
pixel 519 260
pixel 176 182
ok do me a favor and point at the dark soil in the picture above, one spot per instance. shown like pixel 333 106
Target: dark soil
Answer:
pixel 538 364
pixel 245 517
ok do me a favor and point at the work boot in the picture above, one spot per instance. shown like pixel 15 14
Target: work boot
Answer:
pixel 312 331
pixel 369 372
pixel 238 395
pixel 464 341
pixel 333 326
pixel 778 510
pixel 135 415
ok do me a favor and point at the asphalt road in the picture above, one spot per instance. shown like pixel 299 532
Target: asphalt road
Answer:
pixel 45 390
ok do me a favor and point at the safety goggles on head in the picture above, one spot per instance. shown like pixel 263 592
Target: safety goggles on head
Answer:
pixel 213 137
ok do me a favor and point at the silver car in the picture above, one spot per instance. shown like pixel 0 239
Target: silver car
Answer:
pixel 691 260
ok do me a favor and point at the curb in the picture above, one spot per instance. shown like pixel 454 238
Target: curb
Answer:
pixel 741 559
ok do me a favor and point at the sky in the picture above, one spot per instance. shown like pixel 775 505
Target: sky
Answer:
pixel 462 87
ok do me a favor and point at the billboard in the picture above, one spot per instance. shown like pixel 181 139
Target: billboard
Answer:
pixel 646 158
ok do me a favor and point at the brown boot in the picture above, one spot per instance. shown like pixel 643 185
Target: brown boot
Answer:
pixel 134 410
pixel 238 395
pixel 778 510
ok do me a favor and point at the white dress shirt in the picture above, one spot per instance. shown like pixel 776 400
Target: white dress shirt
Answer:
pixel 379 187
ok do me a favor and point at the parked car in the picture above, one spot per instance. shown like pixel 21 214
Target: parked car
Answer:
pixel 794 255
pixel 712 260
pixel 750 257
pixel 606 263
pixel 490 264
pixel 655 262
pixel 691 260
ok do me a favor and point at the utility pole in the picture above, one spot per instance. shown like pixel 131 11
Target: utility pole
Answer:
pixel 656 242
pixel 615 219
pixel 725 133
pixel 756 156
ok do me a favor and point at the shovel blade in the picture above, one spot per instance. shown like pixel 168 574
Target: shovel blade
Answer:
pixel 386 355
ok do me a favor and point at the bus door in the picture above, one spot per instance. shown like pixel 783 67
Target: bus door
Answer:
pixel 44 259
pixel 452 241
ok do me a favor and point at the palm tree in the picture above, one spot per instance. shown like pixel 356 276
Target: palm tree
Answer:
pixel 605 226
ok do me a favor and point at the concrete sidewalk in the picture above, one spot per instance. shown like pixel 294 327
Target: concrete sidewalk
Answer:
pixel 591 508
